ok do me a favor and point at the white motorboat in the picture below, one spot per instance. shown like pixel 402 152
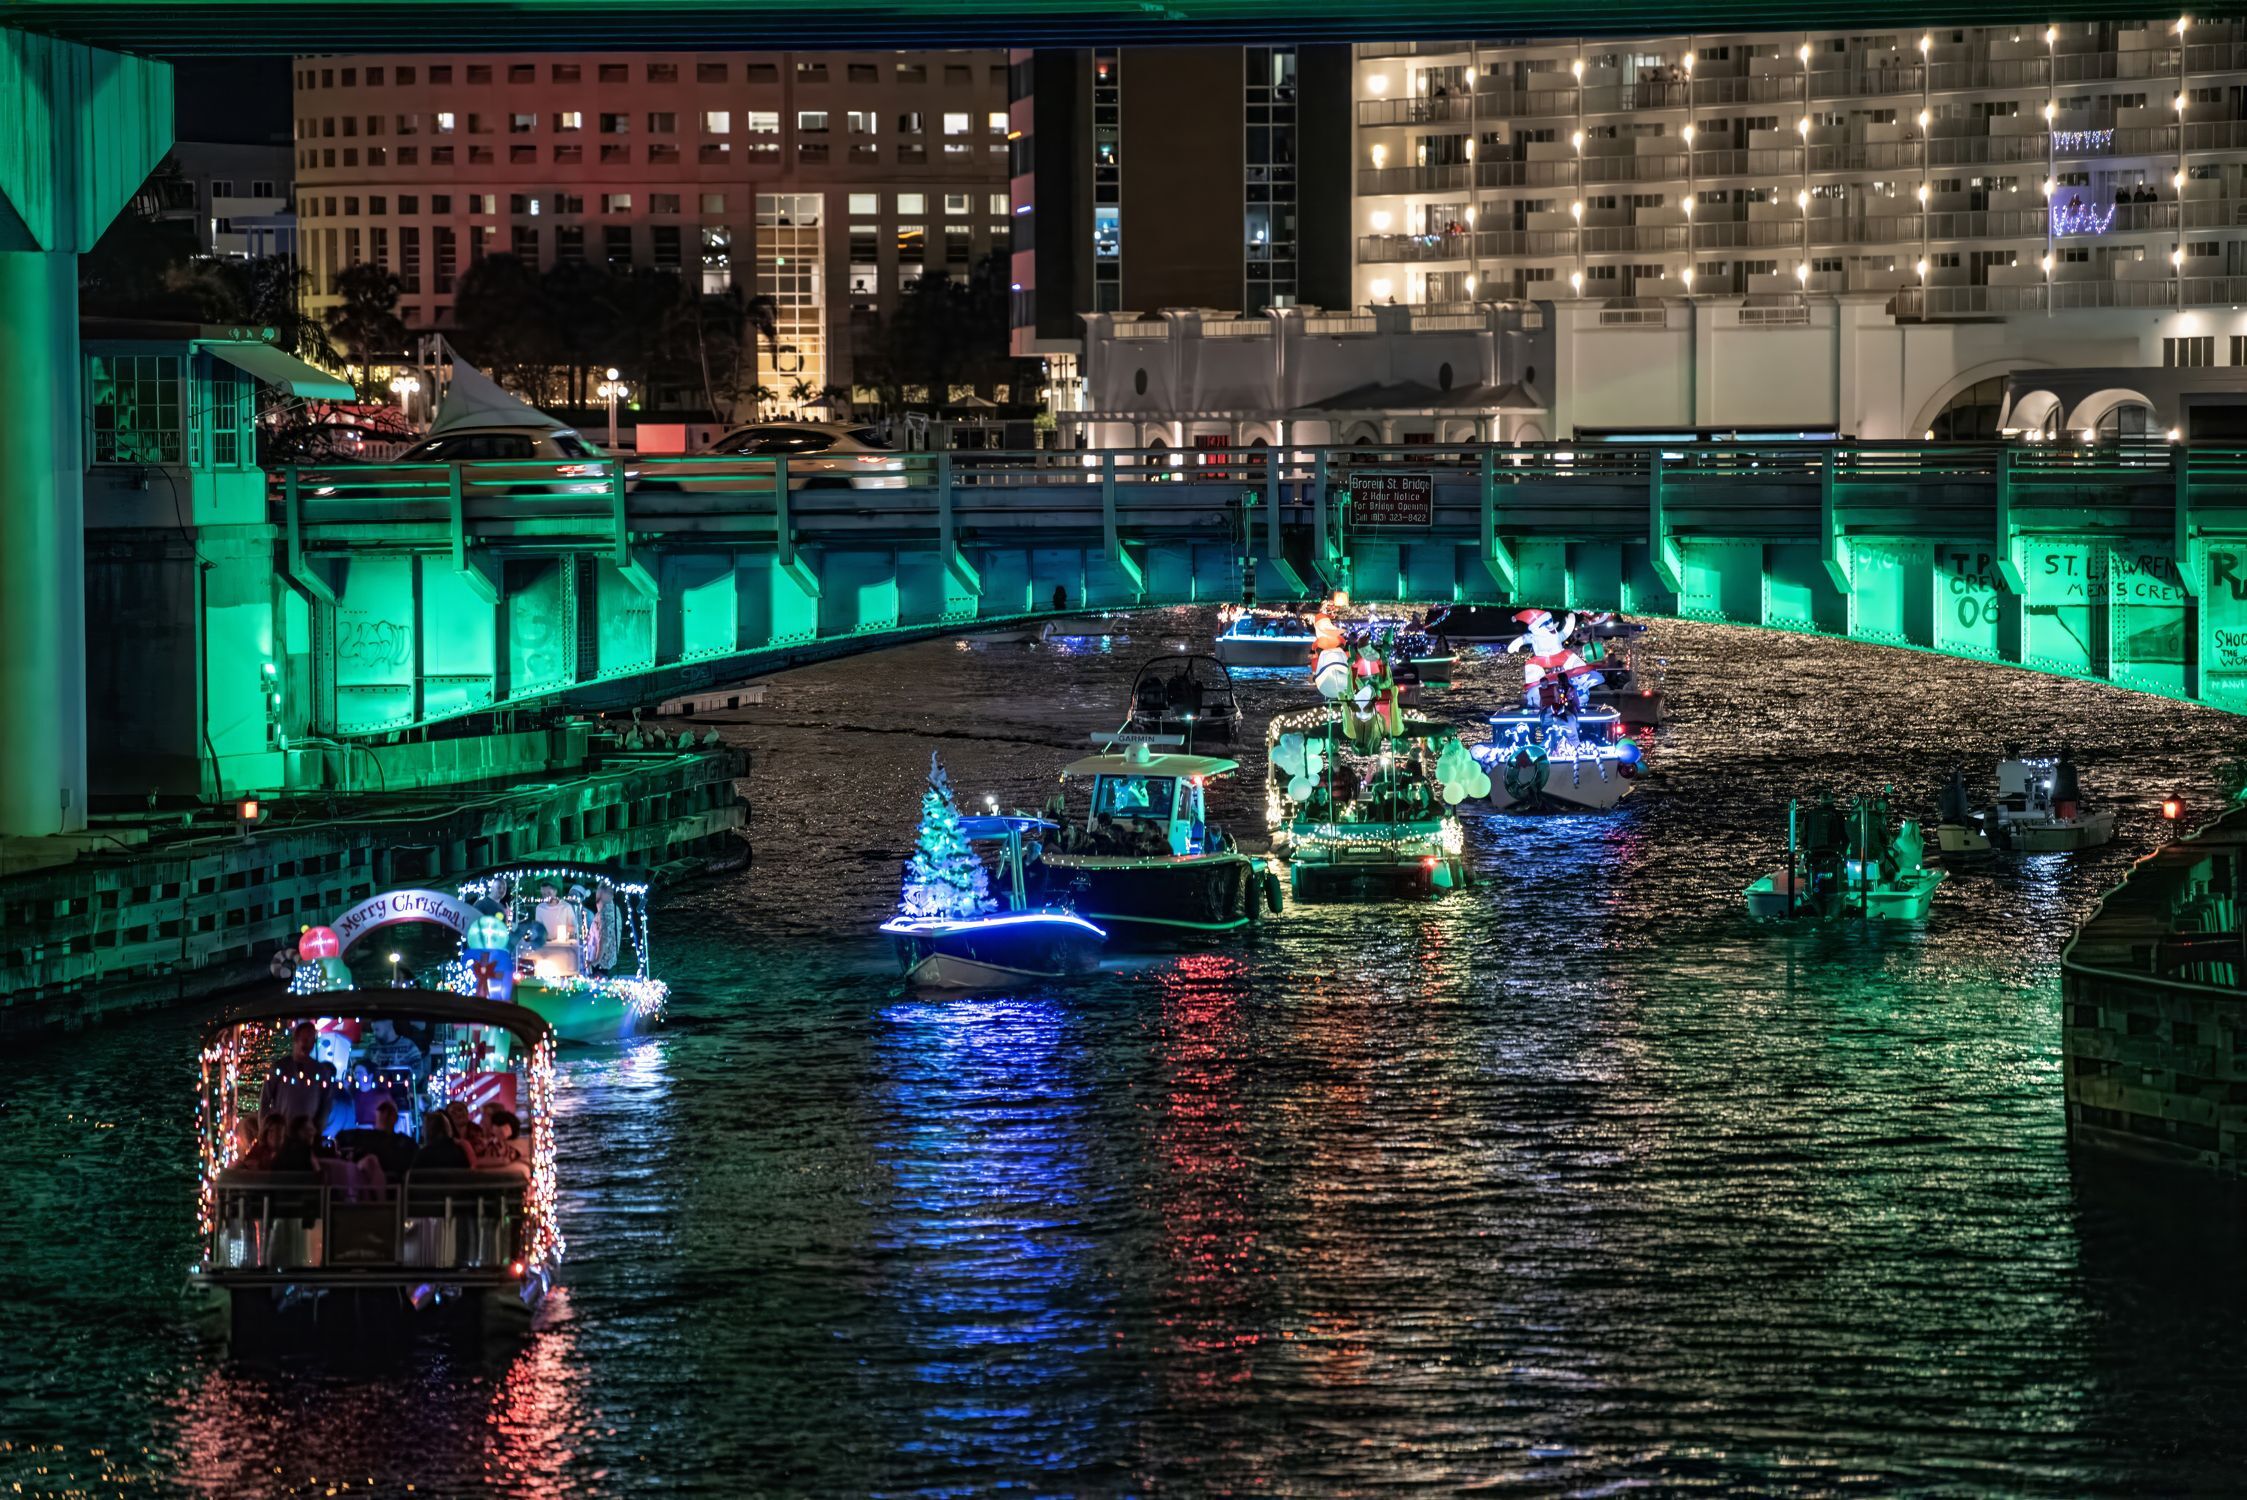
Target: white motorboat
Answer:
pixel 2039 810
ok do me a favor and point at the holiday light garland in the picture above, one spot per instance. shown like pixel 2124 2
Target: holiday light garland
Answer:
pixel 2071 141
pixel 2081 218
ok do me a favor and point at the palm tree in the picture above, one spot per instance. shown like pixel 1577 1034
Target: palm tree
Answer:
pixel 803 392
pixel 762 314
pixel 836 398
pixel 759 397
pixel 367 322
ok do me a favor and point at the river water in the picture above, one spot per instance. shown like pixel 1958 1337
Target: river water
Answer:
pixel 1573 1182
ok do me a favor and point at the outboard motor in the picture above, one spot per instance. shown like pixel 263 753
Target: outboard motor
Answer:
pixel 2067 788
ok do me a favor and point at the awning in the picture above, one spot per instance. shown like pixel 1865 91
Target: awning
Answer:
pixel 270 365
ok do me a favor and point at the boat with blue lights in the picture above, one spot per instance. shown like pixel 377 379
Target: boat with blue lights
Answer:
pixel 952 933
pixel 1557 747
pixel 371 1159
pixel 1860 862
pixel 1286 638
pixel 1144 862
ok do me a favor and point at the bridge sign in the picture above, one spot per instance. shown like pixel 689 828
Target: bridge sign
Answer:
pixel 1393 501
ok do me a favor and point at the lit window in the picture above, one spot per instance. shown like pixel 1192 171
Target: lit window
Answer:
pixel 912 203
pixel 570 119
pixel 998 122
pixel 812 120
pixel 865 203
pixel 444 122
pixel 955 203
pixel 136 409
pixel 616 203
pixel 954 124
pixel 716 122
pixel 761 121
pixel 1000 205
pixel 713 203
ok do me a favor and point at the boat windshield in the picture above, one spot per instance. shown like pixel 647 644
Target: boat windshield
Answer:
pixel 1142 798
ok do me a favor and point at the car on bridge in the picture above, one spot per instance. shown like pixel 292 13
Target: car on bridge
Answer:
pixel 517 460
pixel 820 455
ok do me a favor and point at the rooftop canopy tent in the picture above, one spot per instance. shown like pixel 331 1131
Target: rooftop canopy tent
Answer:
pixel 474 399
pixel 275 367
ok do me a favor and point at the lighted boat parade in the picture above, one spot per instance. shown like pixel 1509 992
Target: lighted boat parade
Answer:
pixel 2039 809
pixel 375 1158
pixel 1190 697
pixel 1558 747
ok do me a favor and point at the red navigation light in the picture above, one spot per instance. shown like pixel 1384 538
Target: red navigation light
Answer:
pixel 1428 862
pixel 2172 808
pixel 515 1270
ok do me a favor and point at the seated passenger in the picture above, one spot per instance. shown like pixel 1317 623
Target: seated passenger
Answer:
pixel 295 1151
pixel 272 1133
pixel 394 1151
pixel 439 1150
pixel 503 1136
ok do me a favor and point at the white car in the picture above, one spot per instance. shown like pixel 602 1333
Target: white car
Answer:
pixel 821 455
pixel 584 467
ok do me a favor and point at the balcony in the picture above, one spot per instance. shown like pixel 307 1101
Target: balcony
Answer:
pixel 1496 242
pixel 1387 248
pixel 1608 239
pixel 1418 110
pixel 1514 174
pixel 1375 181
pixel 1504 102
pixel 1661 168
pixel 1948 301
pixel 1629 98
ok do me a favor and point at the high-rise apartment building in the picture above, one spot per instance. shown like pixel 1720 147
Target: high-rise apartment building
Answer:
pixel 1964 170
pixel 826 180
pixel 1153 177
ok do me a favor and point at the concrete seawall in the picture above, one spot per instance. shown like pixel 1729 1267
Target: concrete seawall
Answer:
pixel 2154 1021
pixel 196 914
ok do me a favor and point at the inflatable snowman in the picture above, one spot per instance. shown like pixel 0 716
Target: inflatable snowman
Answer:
pixel 1555 678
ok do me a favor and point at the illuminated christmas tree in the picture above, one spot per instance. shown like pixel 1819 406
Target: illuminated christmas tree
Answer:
pixel 944 878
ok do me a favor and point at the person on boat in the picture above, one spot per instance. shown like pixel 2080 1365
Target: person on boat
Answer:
pixel 295 1152
pixel 440 1150
pixel 391 1149
pixel 300 1084
pixel 272 1132
pixel 503 1135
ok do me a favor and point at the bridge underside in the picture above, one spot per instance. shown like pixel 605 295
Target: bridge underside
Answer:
pixel 410 639
pixel 180 28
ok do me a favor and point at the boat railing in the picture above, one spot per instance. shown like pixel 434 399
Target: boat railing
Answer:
pixel 430 1220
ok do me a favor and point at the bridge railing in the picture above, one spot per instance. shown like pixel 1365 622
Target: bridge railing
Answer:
pixel 1157 491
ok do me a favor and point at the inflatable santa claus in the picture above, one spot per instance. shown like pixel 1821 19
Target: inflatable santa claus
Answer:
pixel 1554 678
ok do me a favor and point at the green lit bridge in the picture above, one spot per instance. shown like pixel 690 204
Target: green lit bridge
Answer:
pixel 431 592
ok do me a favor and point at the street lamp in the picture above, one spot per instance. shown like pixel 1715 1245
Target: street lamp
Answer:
pixel 403 387
pixel 614 389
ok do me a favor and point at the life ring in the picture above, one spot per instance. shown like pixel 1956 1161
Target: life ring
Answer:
pixel 1527 772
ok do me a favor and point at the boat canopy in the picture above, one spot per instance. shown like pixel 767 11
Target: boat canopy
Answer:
pixel 386 1004
pixel 981 829
pixel 1151 765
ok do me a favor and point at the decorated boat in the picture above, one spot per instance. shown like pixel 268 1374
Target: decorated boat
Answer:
pixel 1362 796
pixel 342 1186
pixel 1145 863
pixel 567 941
pixel 1190 697
pixel 1287 638
pixel 1558 747
pixel 952 932
pixel 1858 863
pixel 2039 810
pixel 1501 624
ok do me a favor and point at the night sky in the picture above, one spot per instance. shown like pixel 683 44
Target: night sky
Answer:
pixel 244 100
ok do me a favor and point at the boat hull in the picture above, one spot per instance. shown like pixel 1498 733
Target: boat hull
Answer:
pixel 1335 880
pixel 989 956
pixel 2057 837
pixel 1136 900
pixel 1583 786
pixel 1264 650
pixel 1905 900
pixel 584 1015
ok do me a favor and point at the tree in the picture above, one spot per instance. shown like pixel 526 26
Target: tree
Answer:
pixel 943 879
pixel 761 314
pixel 366 322
pixel 803 392
pixel 503 321
pixel 941 334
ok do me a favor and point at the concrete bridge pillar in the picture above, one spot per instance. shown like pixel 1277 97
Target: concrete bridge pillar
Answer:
pixel 83 128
